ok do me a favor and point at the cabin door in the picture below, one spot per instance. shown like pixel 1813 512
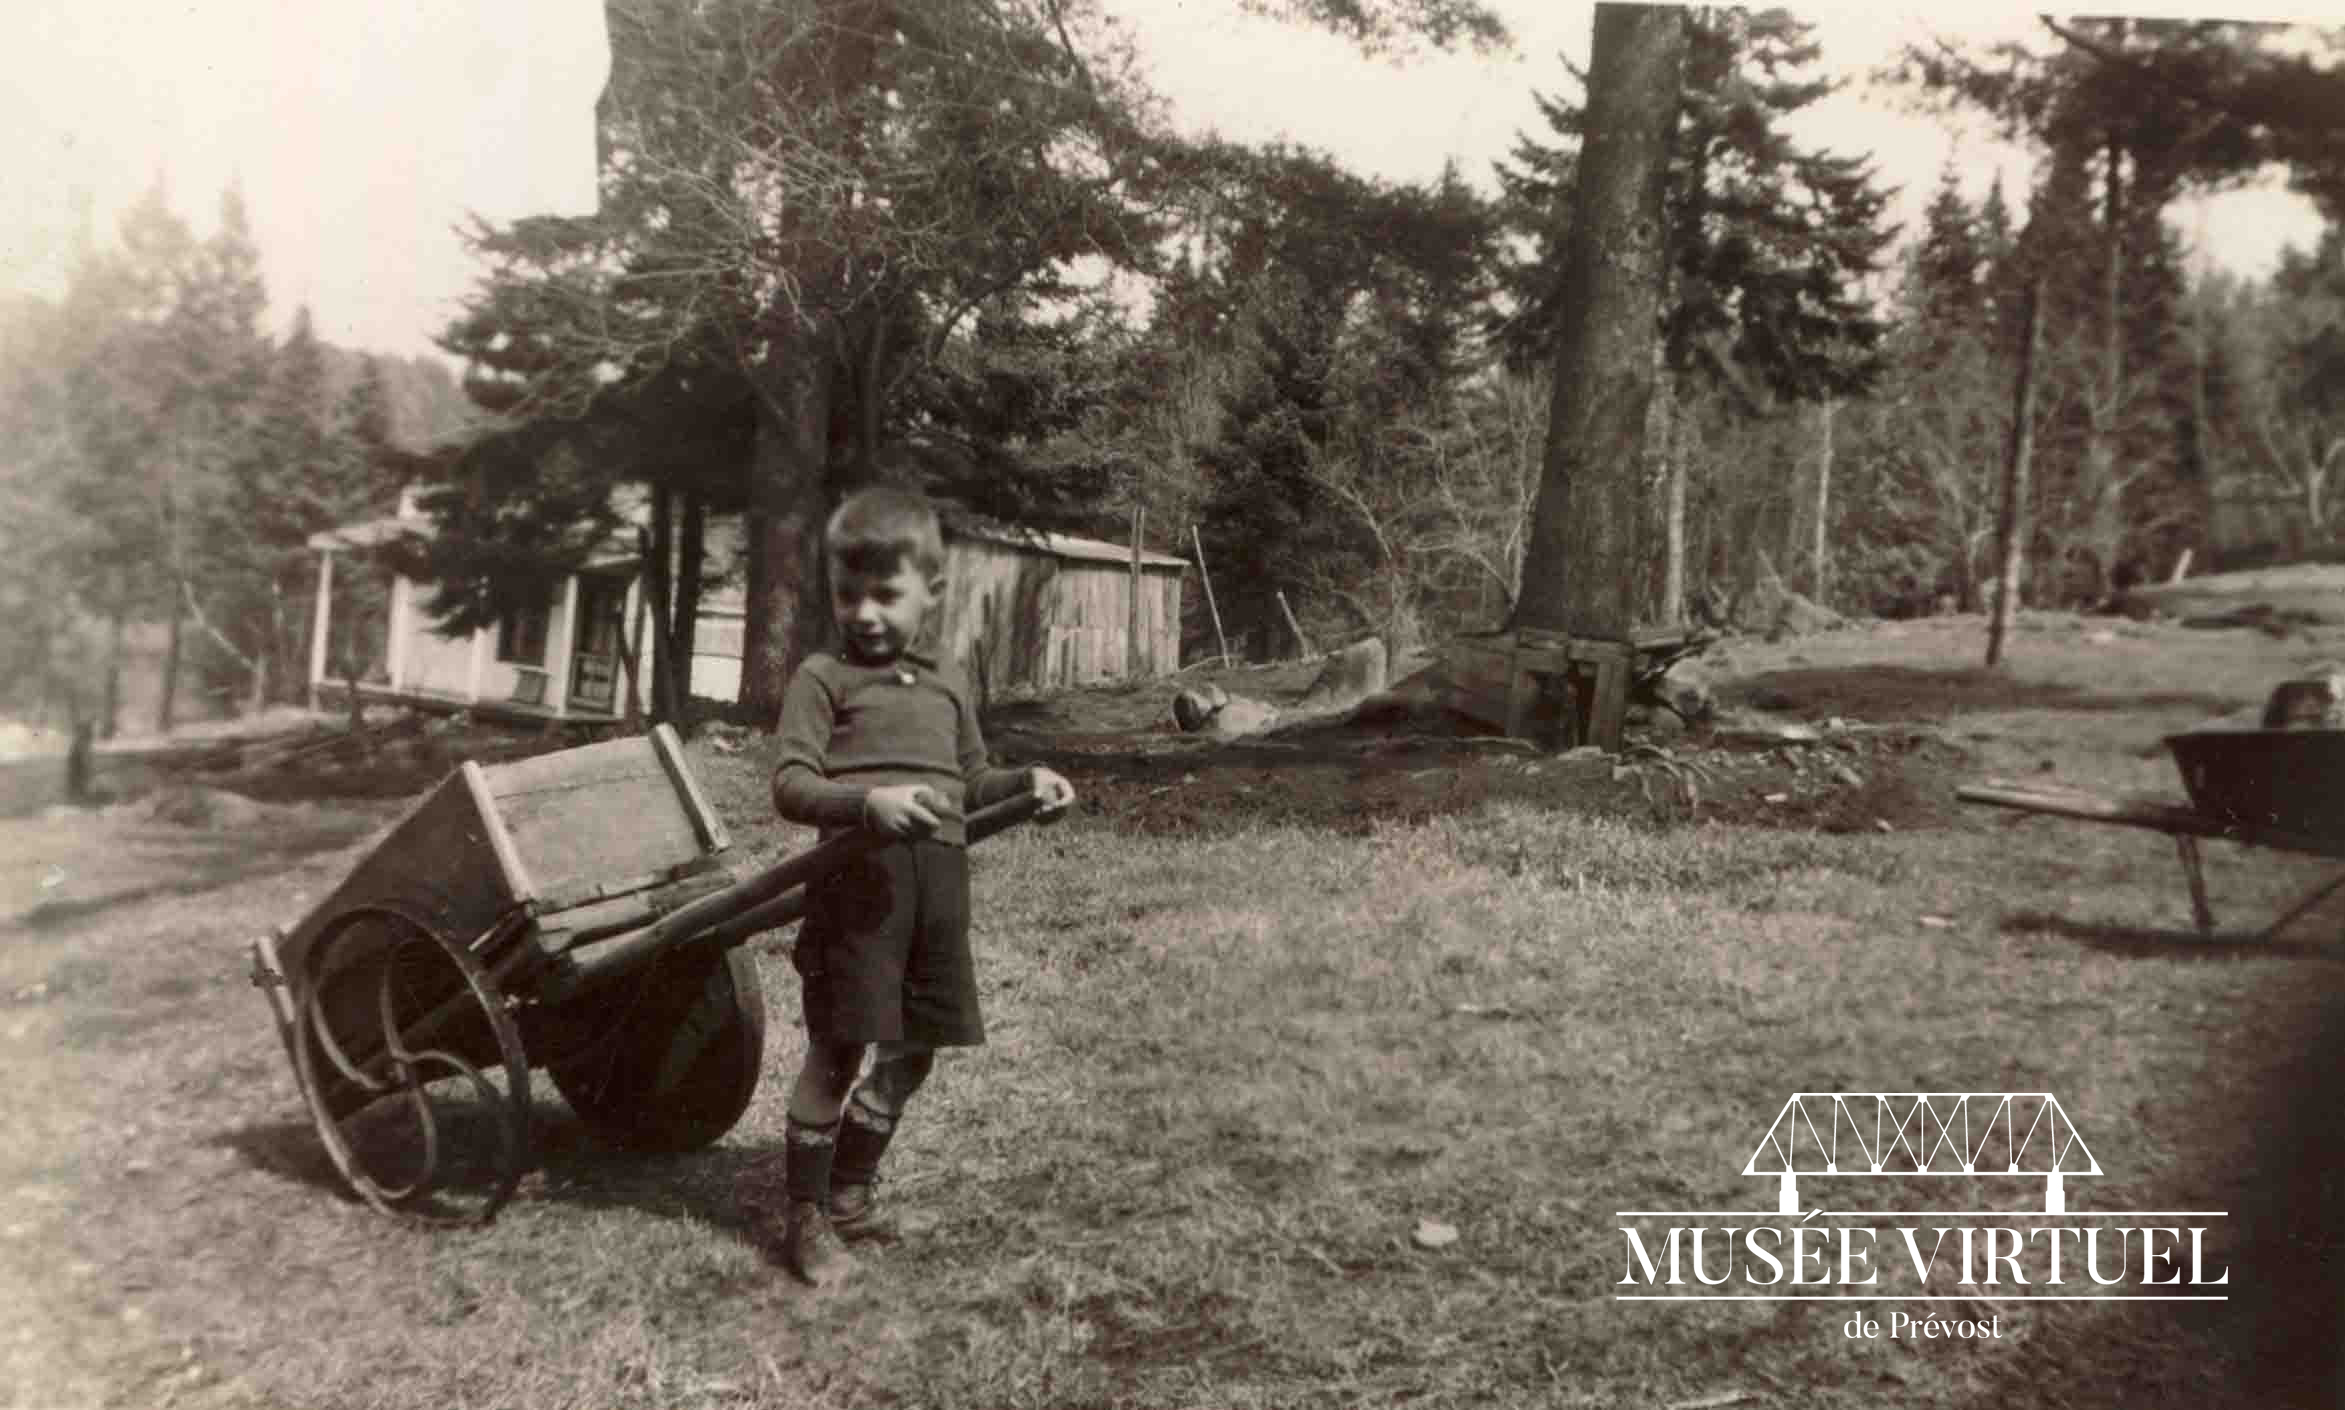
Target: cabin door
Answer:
pixel 594 668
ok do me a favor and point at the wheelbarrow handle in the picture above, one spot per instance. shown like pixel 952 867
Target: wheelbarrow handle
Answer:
pixel 748 907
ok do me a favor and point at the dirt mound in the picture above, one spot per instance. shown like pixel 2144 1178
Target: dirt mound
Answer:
pixel 1349 778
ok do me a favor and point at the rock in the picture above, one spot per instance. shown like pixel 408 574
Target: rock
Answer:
pixel 1776 611
pixel 1242 717
pixel 1796 615
pixel 1687 688
pixel 1192 709
pixel 1347 677
pixel 1434 1233
pixel 196 806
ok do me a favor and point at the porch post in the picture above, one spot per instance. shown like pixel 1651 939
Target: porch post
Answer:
pixel 561 639
pixel 640 650
pixel 395 651
pixel 482 637
pixel 321 619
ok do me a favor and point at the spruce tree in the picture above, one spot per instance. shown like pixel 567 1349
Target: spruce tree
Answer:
pixel 1770 242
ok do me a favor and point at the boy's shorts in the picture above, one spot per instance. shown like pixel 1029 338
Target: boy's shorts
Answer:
pixel 883 954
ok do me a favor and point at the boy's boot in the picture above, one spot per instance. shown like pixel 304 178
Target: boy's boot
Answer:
pixel 810 1248
pixel 854 1177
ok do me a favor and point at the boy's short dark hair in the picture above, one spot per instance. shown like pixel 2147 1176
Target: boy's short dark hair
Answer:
pixel 875 530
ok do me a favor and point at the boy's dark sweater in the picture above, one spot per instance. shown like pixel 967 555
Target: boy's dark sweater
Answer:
pixel 848 728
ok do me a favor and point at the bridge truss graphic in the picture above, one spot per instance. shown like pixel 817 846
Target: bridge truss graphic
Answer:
pixel 1922 1133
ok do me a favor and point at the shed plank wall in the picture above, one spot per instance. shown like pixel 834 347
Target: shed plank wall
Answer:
pixel 1028 619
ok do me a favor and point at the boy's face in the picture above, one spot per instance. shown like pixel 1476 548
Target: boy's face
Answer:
pixel 879 615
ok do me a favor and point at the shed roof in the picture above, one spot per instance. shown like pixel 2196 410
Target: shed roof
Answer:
pixel 1070 546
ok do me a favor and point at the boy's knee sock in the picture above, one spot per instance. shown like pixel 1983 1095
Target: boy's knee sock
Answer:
pixel 872 1114
pixel 808 1159
pixel 863 1138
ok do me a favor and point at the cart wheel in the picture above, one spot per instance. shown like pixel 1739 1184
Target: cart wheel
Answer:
pixel 393 1011
pixel 683 1055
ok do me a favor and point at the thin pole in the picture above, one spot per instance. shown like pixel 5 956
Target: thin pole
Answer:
pixel 1302 642
pixel 1823 541
pixel 1206 574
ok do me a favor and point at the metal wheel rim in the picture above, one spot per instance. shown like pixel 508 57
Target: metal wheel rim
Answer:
pixel 411 1069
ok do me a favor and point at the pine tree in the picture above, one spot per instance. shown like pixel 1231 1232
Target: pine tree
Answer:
pixel 1770 243
pixel 1349 307
pixel 823 195
pixel 1949 263
pixel 2128 114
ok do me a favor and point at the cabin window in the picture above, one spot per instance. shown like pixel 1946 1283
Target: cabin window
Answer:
pixel 521 635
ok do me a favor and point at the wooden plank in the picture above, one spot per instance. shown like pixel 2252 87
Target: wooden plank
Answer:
pixel 704 817
pixel 1522 688
pixel 499 838
pixel 572 769
pixel 623 826
pixel 600 811
pixel 1609 710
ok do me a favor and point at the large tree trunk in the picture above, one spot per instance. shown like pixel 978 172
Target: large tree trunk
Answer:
pixel 2104 489
pixel 167 702
pixel 264 654
pixel 1669 456
pixel 110 707
pixel 658 591
pixel 2010 528
pixel 788 614
pixel 692 548
pixel 785 614
pixel 1584 570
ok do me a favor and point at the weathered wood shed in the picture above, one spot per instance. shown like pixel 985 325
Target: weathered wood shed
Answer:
pixel 1031 611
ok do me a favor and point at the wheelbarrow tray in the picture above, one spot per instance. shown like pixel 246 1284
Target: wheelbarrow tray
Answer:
pixel 2266 780
pixel 509 860
pixel 549 833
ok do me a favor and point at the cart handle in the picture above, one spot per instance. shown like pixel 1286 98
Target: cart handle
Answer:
pixel 770 898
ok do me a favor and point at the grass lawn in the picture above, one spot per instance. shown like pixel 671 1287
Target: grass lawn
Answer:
pixel 1257 1014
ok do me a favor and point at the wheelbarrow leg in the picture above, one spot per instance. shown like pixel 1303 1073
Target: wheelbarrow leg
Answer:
pixel 2311 899
pixel 2199 911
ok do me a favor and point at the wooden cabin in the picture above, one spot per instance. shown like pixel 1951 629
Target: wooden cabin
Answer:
pixel 1023 612
pixel 565 659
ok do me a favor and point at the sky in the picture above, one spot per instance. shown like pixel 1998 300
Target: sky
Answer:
pixel 362 135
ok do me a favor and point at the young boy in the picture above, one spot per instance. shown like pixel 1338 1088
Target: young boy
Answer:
pixel 880 735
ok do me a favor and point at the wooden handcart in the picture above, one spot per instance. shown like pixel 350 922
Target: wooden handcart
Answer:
pixel 2281 789
pixel 567 913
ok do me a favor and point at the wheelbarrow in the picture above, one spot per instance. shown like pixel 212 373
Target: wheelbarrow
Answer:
pixel 565 914
pixel 2277 788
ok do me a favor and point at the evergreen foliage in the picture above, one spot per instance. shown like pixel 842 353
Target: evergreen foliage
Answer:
pixel 1770 243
